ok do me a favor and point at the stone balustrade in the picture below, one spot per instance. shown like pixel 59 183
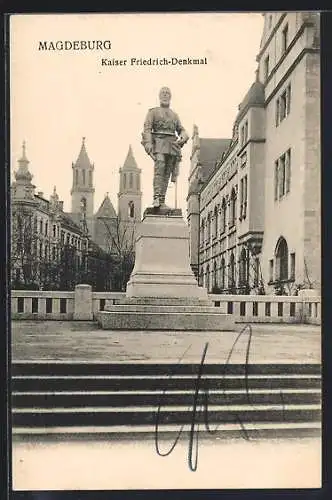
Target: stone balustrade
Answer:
pixel 83 304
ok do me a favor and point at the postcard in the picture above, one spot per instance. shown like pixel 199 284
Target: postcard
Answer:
pixel 165 251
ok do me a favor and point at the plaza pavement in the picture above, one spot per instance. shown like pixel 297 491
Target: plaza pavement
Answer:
pixel 84 341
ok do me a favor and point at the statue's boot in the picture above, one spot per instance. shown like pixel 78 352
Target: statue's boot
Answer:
pixel 156 202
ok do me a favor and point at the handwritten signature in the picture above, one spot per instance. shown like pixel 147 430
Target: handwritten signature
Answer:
pixel 196 408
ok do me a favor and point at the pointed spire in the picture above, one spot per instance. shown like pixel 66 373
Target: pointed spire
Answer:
pixel 22 173
pixel 83 160
pixel 130 162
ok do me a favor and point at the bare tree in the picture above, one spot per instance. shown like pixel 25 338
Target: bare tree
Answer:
pixel 121 248
pixel 24 246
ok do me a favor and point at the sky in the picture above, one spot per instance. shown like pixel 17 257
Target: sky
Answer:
pixel 58 97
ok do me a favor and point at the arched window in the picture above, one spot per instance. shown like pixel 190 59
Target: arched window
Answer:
pixel 232 270
pixel 223 216
pixel 83 205
pixel 83 177
pixel 232 213
pixel 222 273
pixel 130 180
pixel 124 181
pixel 131 209
pixel 281 254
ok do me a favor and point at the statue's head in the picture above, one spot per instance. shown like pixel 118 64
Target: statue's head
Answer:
pixel 165 96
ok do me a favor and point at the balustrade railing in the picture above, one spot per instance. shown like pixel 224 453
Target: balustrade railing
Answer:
pixel 83 304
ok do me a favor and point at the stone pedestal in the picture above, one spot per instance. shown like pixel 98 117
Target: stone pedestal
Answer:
pixel 162 265
pixel 162 292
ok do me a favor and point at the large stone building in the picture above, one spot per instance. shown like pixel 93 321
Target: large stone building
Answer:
pixel 255 216
pixel 106 227
pixel 54 248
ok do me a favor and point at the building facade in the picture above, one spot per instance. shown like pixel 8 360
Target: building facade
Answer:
pixel 52 249
pixel 256 216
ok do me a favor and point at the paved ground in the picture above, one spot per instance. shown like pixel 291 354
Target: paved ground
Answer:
pixel 109 465
pixel 56 340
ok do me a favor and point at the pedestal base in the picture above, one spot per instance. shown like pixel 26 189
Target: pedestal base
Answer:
pixel 162 292
pixel 162 267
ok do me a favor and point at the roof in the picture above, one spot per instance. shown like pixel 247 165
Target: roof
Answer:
pixel 83 159
pixel 210 151
pixel 106 209
pixel 130 162
pixel 68 221
pixel 255 97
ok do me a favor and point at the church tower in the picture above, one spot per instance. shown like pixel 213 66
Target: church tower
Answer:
pixel 82 192
pixel 130 195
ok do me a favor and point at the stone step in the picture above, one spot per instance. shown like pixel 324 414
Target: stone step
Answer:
pixel 253 430
pixel 185 382
pixel 147 398
pixel 135 368
pixel 108 416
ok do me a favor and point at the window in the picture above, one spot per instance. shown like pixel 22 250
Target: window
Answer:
pixel 130 180
pixel 270 21
pixel 243 197
pixel 292 266
pixel 46 228
pixel 209 227
pixel 124 181
pixel 281 259
pixel 41 226
pixel 90 178
pixel 282 175
pixel 223 215
pixel 283 105
pixel 131 209
pixel 231 271
pixel 40 250
pixel 83 177
pixel 53 253
pixel 271 270
pixel 266 67
pixel 232 214
pixel 287 171
pixel 207 277
pixel 245 132
pixel 222 273
pixel 284 39
pixel 215 227
pixel 243 267
pixel 76 176
pixel 202 232
pixel 48 305
pixel 54 230
pixel 137 182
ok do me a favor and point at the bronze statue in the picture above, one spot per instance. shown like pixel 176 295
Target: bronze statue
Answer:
pixel 163 138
